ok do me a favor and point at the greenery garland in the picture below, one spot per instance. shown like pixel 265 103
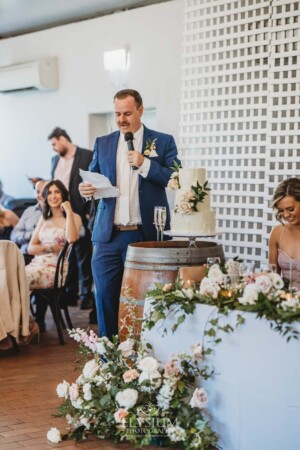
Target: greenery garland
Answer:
pixel 226 288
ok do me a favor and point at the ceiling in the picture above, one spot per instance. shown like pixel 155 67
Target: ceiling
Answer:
pixel 25 16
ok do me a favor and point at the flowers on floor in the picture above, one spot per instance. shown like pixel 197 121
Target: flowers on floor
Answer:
pixel 228 288
pixel 123 393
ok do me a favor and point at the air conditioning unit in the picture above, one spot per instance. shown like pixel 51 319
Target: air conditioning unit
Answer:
pixel 41 75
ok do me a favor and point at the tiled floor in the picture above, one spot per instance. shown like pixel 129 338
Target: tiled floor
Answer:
pixel 28 397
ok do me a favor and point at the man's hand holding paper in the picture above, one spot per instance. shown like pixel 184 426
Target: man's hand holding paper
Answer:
pixel 96 185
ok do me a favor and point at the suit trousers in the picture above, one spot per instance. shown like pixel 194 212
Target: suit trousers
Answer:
pixel 108 267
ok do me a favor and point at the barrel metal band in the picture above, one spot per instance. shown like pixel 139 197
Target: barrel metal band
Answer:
pixel 131 301
pixel 156 268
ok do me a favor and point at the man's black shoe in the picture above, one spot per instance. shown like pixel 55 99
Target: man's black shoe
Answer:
pixel 86 304
pixel 93 317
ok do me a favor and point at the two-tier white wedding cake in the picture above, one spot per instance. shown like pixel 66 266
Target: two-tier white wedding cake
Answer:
pixel 192 213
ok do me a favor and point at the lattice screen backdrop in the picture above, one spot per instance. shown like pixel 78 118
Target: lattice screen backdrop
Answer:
pixel 240 110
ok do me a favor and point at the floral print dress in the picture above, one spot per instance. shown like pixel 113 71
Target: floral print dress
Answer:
pixel 41 271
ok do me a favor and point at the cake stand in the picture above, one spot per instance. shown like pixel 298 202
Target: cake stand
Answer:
pixel 191 236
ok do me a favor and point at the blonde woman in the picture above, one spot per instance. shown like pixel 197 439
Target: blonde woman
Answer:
pixel 284 245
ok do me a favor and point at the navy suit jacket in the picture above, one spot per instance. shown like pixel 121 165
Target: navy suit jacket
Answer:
pixel 151 189
pixel 82 160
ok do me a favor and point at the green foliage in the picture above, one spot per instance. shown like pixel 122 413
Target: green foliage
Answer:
pixel 92 403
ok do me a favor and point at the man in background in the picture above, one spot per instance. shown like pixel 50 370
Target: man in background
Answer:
pixel 4 198
pixel 141 174
pixel 65 167
pixel 22 232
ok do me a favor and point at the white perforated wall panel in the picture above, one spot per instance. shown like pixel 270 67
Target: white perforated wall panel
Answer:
pixel 240 110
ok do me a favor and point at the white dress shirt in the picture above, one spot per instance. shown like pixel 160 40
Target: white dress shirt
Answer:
pixel 127 210
pixel 63 170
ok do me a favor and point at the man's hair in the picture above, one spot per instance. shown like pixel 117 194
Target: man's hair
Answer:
pixel 59 132
pixel 47 213
pixel 130 93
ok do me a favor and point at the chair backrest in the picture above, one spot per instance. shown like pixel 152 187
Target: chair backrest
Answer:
pixel 18 205
pixel 59 273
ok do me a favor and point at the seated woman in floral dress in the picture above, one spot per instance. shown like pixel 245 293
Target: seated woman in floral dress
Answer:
pixel 284 245
pixel 58 225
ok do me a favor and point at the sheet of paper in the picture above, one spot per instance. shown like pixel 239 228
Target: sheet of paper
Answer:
pixel 104 188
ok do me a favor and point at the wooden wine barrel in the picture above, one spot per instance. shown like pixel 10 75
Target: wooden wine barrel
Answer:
pixel 150 262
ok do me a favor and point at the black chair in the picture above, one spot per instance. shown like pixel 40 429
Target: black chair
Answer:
pixel 54 297
pixel 18 205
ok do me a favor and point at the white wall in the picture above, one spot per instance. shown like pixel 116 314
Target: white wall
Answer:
pixel 154 35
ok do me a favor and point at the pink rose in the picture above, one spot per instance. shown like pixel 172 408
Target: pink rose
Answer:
pixel 199 398
pixel 120 415
pixel 184 208
pixel 130 375
pixel 167 287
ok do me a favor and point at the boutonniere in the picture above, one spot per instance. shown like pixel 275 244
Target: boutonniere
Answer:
pixel 150 149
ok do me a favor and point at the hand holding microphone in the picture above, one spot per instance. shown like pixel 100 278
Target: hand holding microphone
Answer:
pixel 138 157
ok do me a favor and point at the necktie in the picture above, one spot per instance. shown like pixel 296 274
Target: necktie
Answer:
pixel 124 216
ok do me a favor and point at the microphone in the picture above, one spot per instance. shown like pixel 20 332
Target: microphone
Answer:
pixel 129 139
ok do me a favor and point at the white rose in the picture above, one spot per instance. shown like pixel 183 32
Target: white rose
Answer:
pixel 234 268
pixel 263 284
pixel 90 369
pixel 276 280
pixel 127 398
pixel 216 275
pixel 54 435
pixel 73 392
pixel 148 364
pixel 77 403
pixel 209 288
pixel 153 377
pixel 69 419
pixel 189 293
pixel 197 351
pixel 184 208
pixel 85 422
pixel 87 393
pixel 249 295
pixel 176 433
pixel 292 303
pixel 100 348
pixel 126 347
pixel 199 398
pixel 62 389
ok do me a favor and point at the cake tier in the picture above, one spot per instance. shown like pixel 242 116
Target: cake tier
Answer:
pixel 187 177
pixel 197 222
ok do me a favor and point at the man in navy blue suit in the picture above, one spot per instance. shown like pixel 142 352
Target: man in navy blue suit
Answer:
pixel 141 175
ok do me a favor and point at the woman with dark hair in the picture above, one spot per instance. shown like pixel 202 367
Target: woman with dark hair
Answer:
pixel 284 245
pixel 58 225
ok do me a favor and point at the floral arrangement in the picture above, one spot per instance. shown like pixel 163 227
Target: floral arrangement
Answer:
pixel 150 149
pixel 226 287
pixel 191 198
pixel 123 393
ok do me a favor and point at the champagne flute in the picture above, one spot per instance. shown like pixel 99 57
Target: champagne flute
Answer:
pixel 156 221
pixel 267 267
pixel 163 219
pixel 160 217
